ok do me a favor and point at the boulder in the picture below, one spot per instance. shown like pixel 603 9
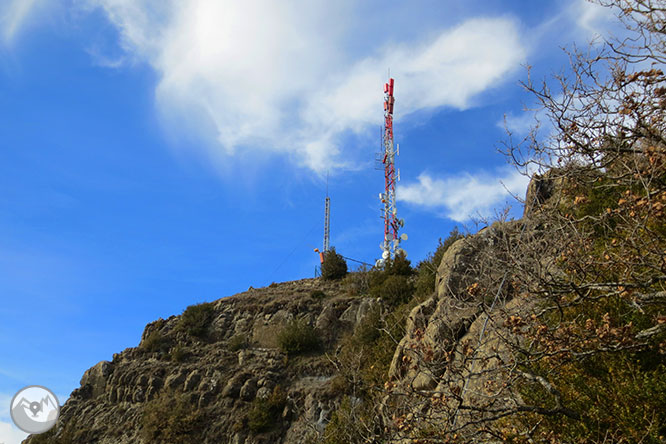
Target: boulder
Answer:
pixel 96 377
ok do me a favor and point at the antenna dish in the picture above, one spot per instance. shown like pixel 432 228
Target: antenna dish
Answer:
pixel 403 236
pixel 385 255
pixel 389 237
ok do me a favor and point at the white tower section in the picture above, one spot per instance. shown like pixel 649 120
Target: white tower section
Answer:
pixel 327 224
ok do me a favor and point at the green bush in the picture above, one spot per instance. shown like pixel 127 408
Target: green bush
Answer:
pixel 344 423
pixel 398 265
pixel 196 319
pixel 178 353
pixel 170 418
pixel 265 413
pixel 396 289
pixel 298 337
pixel 399 269
pixel 334 265
pixel 154 342
pixel 619 393
pixel 363 358
pixel 317 294
pixel 357 283
pixel 368 331
pixel 237 342
pixel 427 268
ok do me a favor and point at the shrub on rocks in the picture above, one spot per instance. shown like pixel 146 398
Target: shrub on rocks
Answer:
pixel 298 337
pixel 334 265
pixel 196 319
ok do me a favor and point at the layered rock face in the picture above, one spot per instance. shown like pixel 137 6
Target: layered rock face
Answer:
pixel 456 342
pixel 222 375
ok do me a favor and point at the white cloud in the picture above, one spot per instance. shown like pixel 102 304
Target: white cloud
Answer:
pixel 10 434
pixel 593 19
pixel 465 196
pixel 521 124
pixel 273 76
pixel 13 15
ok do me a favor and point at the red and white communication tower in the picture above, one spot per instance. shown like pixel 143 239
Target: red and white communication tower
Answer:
pixel 392 224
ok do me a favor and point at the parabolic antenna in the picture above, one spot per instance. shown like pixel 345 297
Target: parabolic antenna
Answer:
pixel 403 236
pixel 389 237
pixel 385 255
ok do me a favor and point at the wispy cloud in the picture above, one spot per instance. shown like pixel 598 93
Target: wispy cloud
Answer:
pixel 269 77
pixel 12 16
pixel 521 124
pixel 465 196
pixel 591 18
pixel 10 434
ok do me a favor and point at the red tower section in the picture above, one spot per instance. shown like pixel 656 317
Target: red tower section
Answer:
pixel 392 223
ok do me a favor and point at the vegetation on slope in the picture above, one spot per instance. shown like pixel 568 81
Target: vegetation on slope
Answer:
pixel 298 337
pixel 171 418
pixel 586 361
pixel 334 265
pixel 195 320
pixel 362 361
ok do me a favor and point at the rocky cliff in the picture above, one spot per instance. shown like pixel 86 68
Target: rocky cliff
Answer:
pixel 220 379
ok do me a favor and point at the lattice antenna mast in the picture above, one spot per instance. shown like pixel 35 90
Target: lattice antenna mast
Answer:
pixel 327 220
pixel 392 223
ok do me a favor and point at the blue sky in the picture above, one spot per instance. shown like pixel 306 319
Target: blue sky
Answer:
pixel 160 153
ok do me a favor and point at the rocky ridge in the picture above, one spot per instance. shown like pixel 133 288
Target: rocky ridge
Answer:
pixel 221 382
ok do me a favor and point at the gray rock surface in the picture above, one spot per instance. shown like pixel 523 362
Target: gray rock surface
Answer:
pixel 221 383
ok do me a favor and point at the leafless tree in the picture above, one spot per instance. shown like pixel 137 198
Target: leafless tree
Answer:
pixel 560 319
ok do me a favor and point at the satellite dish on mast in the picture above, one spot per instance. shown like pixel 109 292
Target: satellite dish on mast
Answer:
pixel 403 236
pixel 389 237
pixel 385 255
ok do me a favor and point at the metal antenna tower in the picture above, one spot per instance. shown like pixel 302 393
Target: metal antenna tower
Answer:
pixel 390 245
pixel 327 219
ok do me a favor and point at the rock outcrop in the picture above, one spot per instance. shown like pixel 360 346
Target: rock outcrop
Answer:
pixel 447 317
pixel 224 383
